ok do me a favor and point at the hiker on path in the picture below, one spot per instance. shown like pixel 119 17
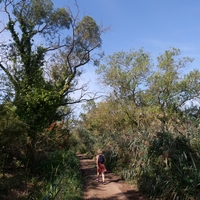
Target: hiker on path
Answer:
pixel 100 166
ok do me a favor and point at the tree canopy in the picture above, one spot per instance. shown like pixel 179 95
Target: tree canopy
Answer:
pixel 139 84
pixel 35 28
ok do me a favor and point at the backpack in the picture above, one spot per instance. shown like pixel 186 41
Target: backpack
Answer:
pixel 101 159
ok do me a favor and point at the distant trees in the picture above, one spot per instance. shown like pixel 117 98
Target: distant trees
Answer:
pixel 143 97
pixel 151 91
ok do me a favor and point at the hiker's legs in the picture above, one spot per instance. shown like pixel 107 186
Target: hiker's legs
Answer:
pixel 103 177
pixel 97 175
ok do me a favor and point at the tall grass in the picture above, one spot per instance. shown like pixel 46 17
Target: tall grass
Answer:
pixel 172 170
pixel 165 167
pixel 61 177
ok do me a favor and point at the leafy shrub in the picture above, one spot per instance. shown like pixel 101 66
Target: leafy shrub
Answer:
pixel 62 177
pixel 172 170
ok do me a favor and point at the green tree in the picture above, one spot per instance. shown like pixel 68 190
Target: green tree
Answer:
pixel 147 92
pixel 37 29
pixel 169 90
pixel 126 74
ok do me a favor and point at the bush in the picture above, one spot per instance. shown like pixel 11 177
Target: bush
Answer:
pixel 172 170
pixel 62 177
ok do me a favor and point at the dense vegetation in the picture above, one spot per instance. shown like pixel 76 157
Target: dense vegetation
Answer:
pixel 43 50
pixel 148 124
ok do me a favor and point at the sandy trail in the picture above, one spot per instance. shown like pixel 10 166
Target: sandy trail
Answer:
pixel 114 189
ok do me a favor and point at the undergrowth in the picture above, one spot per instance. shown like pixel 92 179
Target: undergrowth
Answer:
pixel 61 177
pixel 57 176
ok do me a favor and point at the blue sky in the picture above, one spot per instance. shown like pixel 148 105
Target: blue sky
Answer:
pixel 155 25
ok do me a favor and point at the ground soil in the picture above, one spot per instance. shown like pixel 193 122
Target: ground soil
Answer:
pixel 114 189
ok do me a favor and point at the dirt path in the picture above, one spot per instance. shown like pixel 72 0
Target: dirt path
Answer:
pixel 114 189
